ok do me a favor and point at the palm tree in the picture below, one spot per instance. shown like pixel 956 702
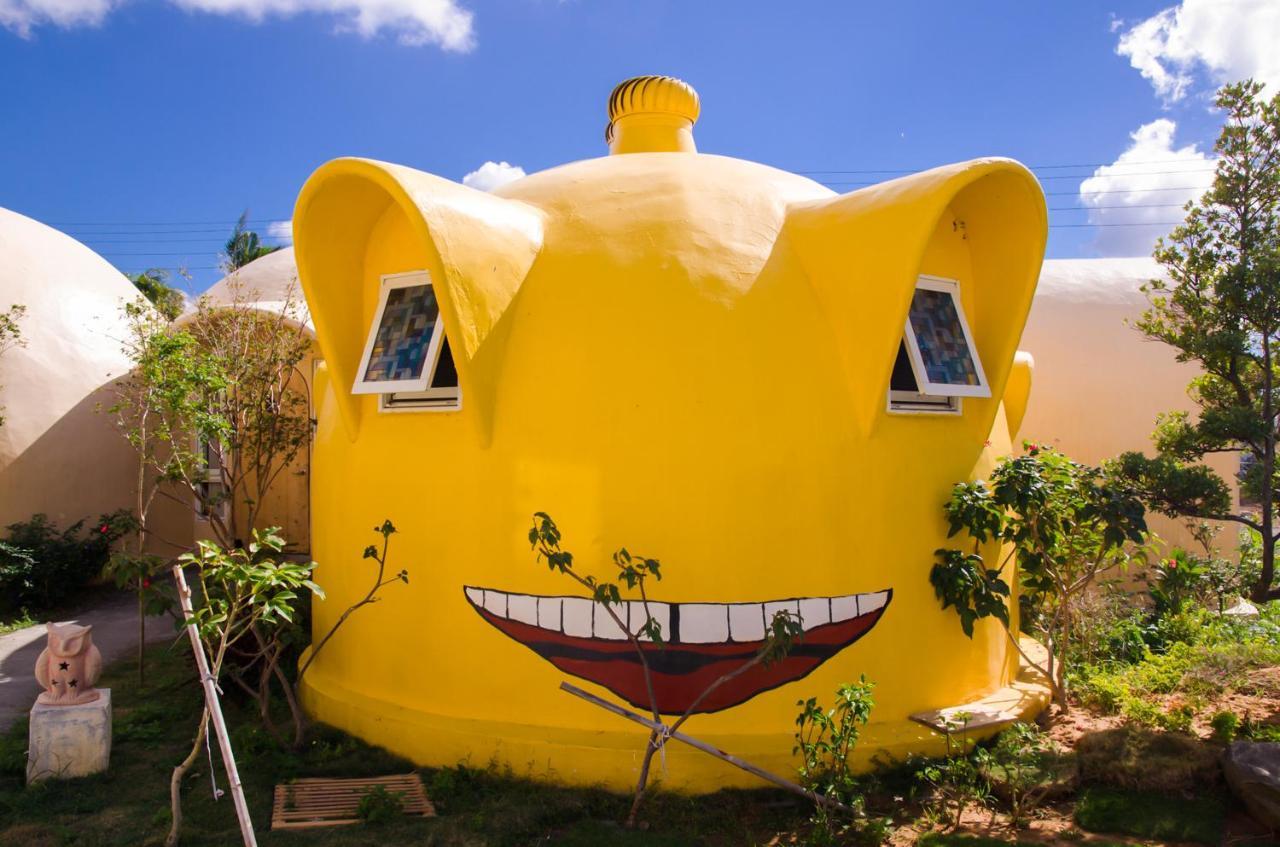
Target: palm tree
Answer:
pixel 154 285
pixel 243 246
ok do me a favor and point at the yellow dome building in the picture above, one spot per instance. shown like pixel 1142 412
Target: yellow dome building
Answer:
pixel 768 386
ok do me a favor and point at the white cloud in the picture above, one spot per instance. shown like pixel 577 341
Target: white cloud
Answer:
pixel 281 229
pixel 412 22
pixel 490 175
pixel 21 16
pixel 1143 189
pixel 1229 39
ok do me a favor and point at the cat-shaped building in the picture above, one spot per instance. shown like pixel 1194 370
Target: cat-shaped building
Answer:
pixel 768 386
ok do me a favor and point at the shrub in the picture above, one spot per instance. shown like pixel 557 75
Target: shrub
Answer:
pixel 1102 691
pixel 1139 759
pixel 42 566
pixel 1178 718
pixel 1224 724
pixel 1140 712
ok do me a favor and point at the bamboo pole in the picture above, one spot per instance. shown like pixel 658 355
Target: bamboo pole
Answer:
pixel 215 711
pixel 663 731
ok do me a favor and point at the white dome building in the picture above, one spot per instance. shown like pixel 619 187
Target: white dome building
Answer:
pixel 60 451
pixel 1099 383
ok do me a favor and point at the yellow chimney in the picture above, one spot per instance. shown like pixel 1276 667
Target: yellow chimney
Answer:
pixel 652 114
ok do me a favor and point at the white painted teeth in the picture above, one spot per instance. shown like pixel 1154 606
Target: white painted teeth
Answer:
pixel 699 623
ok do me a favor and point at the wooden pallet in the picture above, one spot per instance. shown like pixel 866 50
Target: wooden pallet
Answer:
pixel 306 803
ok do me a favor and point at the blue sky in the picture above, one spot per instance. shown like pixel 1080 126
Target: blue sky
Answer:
pixel 144 127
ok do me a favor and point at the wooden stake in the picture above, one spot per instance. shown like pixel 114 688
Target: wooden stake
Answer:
pixel 215 711
pixel 662 730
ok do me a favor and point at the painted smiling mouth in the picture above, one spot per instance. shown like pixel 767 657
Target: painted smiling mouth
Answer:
pixel 704 641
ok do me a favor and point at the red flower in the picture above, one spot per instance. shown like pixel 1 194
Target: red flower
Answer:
pixel 146 582
pixel 103 529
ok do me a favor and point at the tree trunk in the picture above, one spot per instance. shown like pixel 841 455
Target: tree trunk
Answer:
pixel 642 785
pixel 175 782
pixel 1262 590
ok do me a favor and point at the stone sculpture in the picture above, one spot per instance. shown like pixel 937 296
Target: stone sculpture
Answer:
pixel 69 666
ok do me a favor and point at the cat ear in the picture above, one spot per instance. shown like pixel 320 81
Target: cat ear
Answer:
pixel 358 219
pixel 982 223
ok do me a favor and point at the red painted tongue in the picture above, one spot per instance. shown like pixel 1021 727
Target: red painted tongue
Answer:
pixel 681 672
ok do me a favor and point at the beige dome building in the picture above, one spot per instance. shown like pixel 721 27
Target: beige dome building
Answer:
pixel 270 283
pixel 1098 383
pixel 58 453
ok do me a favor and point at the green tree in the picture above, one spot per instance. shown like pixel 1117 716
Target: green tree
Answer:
pixel 243 246
pixel 1066 525
pixel 1220 308
pixel 153 283
pixel 11 333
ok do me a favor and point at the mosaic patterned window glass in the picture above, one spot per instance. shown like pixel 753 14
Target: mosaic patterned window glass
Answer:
pixel 940 337
pixel 404 335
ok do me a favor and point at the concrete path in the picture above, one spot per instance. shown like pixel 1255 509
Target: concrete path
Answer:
pixel 115 632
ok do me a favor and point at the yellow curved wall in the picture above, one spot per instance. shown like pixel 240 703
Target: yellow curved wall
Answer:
pixel 684 354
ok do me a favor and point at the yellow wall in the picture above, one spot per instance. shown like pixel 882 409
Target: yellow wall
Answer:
pixel 684 354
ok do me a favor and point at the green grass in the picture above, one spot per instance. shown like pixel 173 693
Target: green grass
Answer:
pixel 1146 814
pixel 477 805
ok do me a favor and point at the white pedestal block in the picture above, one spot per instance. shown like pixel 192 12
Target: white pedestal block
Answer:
pixel 67 741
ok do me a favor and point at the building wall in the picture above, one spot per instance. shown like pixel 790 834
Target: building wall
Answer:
pixel 1099 383
pixel 60 453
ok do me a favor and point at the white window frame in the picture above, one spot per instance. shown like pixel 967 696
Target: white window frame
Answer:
pixel 942 389
pixel 914 403
pixel 389 283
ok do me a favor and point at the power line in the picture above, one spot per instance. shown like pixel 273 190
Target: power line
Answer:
pixel 167 223
pixel 1029 167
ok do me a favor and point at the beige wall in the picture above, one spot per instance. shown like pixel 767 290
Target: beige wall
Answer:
pixel 1098 384
pixel 58 454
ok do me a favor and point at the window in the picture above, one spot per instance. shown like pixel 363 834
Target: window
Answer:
pixel 407 359
pixel 937 362
pixel 905 395
pixel 443 393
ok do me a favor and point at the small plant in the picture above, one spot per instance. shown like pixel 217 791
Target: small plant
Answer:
pixel 1178 718
pixel 825 740
pixel 1258 730
pixel 1024 766
pixel 1225 725
pixel 634 573
pixel 239 590
pixel 378 805
pixel 957 783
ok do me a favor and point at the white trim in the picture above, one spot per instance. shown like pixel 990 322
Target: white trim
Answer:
pixel 913 403
pixel 942 389
pixel 422 383
pixel 396 403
